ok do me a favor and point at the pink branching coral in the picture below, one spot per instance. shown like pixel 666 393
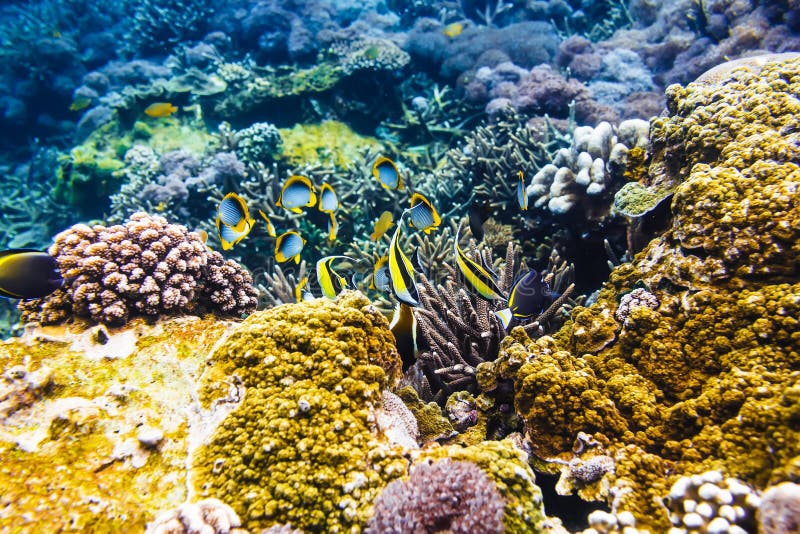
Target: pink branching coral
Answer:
pixel 145 267
pixel 444 496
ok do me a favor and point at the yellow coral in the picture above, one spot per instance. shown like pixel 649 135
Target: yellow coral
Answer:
pixel 328 143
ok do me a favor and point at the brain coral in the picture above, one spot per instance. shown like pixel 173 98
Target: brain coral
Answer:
pixel 144 267
pixel 302 447
pixel 703 375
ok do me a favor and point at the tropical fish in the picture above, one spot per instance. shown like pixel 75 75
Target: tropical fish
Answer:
pixel 387 174
pixel 300 293
pixel 270 228
pixel 401 272
pixel 478 213
pixel 477 276
pixel 380 275
pixel 28 274
pixel 297 192
pixel 453 29
pixel 423 214
pixel 203 235
pixel 79 103
pixel 332 227
pixel 528 297
pixel 160 109
pixel 232 211
pixel 331 282
pixel 404 328
pixel 384 222
pixel 328 201
pixel 522 194
pixel 228 237
pixel 289 245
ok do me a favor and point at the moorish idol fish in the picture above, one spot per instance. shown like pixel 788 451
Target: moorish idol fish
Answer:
pixel 328 201
pixel 228 237
pixel 160 109
pixel 331 282
pixel 528 297
pixel 297 192
pixel 477 276
pixel 289 245
pixel 387 174
pixel 270 228
pixel 383 224
pixel 423 214
pixel 404 328
pixel 478 213
pixel 380 275
pixel 332 227
pixel 522 194
pixel 28 274
pixel 401 272
pixel 232 211
pixel 300 293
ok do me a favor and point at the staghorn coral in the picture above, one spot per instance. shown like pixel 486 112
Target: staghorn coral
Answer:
pixel 144 267
pixel 311 455
pixel 444 495
pixel 209 516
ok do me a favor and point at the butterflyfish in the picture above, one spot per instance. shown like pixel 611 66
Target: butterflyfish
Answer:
pixel 404 329
pixel 453 29
pixel 160 109
pixel 522 194
pixel 28 274
pixel 330 282
pixel 288 246
pixel 382 225
pixel 423 214
pixel 477 276
pixel 401 272
pixel 528 297
pixel 270 227
pixel 328 201
pixel 232 211
pixel 333 227
pixel 300 291
pixel 380 275
pixel 228 237
pixel 297 192
pixel 387 174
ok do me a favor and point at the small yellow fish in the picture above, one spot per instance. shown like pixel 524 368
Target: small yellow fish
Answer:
pixel 160 109
pixel 382 225
pixel 80 103
pixel 453 29
pixel 333 227
pixel 522 194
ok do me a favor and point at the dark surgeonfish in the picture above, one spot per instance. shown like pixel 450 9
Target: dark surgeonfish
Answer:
pixel 401 271
pixel 28 274
pixel 480 278
pixel 528 297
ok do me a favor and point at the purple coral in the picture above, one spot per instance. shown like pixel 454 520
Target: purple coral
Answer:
pixel 144 267
pixel 448 496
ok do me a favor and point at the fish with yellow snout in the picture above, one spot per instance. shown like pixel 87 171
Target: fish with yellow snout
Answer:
pixel 28 274
pixel 382 225
pixel 529 296
pixel 233 220
pixel 288 246
pixel 423 215
pixel 385 170
pixel 480 277
pixel 380 275
pixel 297 192
pixel 330 282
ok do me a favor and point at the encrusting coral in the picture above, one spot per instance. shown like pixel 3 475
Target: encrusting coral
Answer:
pixel 144 267
pixel 302 447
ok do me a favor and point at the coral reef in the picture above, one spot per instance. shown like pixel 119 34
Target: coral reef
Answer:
pixel 313 375
pixel 445 495
pixel 144 267
pixel 210 516
pixel 779 509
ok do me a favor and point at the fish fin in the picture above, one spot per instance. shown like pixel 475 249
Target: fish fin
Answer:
pixel 505 317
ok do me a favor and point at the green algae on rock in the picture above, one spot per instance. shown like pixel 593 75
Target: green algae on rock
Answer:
pixel 302 447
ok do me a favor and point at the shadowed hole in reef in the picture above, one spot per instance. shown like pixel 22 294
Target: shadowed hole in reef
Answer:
pixel 570 509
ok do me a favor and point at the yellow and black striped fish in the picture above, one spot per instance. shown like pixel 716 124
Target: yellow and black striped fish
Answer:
pixel 423 215
pixel 330 282
pixel 478 277
pixel 401 272
pixel 297 193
